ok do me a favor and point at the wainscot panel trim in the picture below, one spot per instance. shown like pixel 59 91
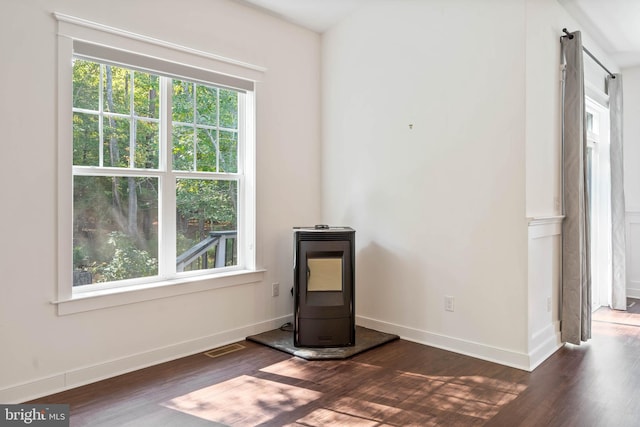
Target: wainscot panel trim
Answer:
pixel 545 226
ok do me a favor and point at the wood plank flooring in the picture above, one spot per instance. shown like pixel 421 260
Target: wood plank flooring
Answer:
pixel 629 317
pixel 398 384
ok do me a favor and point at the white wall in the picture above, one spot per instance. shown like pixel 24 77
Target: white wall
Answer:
pixel 43 352
pixel 631 88
pixel 439 210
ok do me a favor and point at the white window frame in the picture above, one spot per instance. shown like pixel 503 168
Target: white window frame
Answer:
pixel 598 141
pixel 228 72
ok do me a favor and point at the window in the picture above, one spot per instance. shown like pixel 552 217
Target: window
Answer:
pixel 120 167
pixel 156 148
pixel 599 191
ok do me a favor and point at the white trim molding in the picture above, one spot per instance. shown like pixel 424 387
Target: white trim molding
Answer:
pixel 544 343
pixel 545 226
pixel 545 220
pixel 75 27
pixel 112 297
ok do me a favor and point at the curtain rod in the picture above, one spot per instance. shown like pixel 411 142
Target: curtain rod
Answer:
pixel 568 34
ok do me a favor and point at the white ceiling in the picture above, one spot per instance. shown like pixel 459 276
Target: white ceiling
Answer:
pixel 614 24
pixel 316 15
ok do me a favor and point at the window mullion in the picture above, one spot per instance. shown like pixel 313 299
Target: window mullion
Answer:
pixel 101 118
pixel 195 127
pixel 167 202
pixel 246 212
pixel 217 145
pixel 132 126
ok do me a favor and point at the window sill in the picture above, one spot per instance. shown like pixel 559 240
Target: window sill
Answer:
pixel 113 297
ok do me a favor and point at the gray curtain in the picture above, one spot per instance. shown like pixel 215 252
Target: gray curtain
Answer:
pixel 576 271
pixel 618 246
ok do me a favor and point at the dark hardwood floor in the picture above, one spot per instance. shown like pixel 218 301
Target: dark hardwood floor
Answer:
pixel 397 384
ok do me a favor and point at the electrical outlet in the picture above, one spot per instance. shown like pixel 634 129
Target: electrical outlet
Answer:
pixel 548 304
pixel 275 289
pixel 448 303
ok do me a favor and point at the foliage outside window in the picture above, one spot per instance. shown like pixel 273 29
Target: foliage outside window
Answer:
pixel 144 145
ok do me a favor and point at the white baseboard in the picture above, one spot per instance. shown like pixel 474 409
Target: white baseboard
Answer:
pixel 89 374
pixel 633 289
pixel 544 342
pixel 469 348
pixel 633 293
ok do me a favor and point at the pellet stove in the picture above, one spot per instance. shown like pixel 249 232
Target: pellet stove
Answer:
pixel 324 286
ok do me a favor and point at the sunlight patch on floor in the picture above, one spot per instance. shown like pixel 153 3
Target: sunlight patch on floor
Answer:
pixel 385 397
pixel 605 314
pixel 329 417
pixel 244 400
pixel 319 371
